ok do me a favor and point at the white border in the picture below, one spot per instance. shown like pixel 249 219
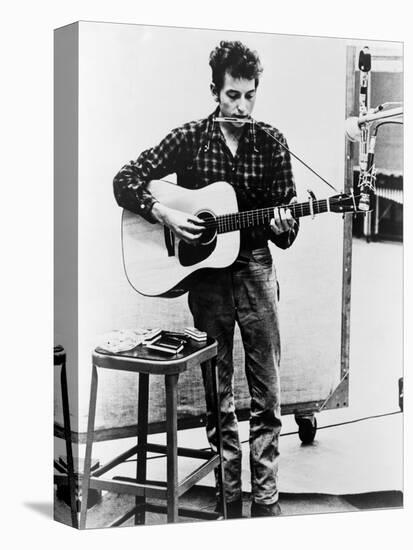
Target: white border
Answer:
pixel 26 170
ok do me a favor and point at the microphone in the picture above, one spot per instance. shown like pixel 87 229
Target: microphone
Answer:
pixel 353 125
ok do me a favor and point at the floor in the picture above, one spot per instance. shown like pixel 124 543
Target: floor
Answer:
pixel 356 460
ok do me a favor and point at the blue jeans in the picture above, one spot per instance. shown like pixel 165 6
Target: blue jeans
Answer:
pixel 246 295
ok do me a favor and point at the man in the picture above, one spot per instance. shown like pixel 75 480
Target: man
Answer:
pixel 242 153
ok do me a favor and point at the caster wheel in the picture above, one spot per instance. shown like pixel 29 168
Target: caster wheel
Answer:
pixel 307 428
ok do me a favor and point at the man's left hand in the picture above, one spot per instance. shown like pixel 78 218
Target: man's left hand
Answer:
pixel 283 220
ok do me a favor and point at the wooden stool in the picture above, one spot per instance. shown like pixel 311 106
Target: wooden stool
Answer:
pixel 145 362
pixel 60 360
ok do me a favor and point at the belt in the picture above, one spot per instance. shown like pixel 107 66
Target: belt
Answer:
pixel 245 256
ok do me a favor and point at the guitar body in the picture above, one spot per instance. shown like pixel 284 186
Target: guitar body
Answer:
pixel 159 264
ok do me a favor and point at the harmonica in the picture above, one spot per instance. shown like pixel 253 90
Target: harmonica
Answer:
pixel 233 119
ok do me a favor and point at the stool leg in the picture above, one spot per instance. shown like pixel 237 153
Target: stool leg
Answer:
pixel 171 383
pixel 217 410
pixel 89 444
pixel 68 441
pixel 142 441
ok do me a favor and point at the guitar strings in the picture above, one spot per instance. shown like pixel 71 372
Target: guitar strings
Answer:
pixel 254 215
pixel 289 206
pixel 262 214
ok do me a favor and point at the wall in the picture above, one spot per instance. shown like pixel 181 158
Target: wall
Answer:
pixel 135 84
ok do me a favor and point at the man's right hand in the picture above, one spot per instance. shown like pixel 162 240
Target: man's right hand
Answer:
pixel 184 226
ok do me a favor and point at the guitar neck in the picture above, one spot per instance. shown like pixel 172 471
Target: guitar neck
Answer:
pixel 263 216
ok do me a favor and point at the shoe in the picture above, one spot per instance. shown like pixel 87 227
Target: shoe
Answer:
pixel 265 510
pixel 234 509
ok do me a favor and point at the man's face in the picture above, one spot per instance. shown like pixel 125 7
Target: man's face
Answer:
pixel 236 98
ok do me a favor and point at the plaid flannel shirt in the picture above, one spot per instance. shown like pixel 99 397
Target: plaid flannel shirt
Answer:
pixel 260 172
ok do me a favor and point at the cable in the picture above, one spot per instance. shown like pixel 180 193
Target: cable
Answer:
pixel 347 422
pixel 296 432
pixel 253 122
pixel 383 123
pixel 387 103
pixel 299 159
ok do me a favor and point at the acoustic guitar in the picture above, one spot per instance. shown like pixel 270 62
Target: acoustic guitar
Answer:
pixel 159 264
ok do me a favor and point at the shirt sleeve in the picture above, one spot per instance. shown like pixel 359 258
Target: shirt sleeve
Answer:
pixel 130 183
pixel 283 190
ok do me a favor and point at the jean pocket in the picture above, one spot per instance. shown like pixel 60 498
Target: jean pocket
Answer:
pixel 262 256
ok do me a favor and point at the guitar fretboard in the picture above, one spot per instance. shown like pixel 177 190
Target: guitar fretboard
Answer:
pixel 262 216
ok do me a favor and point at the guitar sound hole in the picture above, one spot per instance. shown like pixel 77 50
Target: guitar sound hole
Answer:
pixel 190 255
pixel 210 232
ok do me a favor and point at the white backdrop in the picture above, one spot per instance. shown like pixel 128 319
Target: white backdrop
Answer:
pixel 135 84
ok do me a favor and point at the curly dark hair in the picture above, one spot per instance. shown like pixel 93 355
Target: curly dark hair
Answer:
pixel 236 59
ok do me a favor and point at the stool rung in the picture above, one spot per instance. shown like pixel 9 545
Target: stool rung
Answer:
pixel 162 509
pixel 115 462
pixel 197 474
pixel 152 448
pixel 137 489
pixel 155 483
pixel 185 484
pixel 182 451
pixel 186 512
pixel 125 517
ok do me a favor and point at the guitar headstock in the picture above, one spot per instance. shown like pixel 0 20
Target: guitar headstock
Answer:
pixel 343 203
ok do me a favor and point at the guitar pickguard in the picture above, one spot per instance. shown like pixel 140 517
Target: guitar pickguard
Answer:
pixel 189 255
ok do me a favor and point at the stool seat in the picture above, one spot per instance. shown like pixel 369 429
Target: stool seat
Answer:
pixel 150 361
pixel 144 362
